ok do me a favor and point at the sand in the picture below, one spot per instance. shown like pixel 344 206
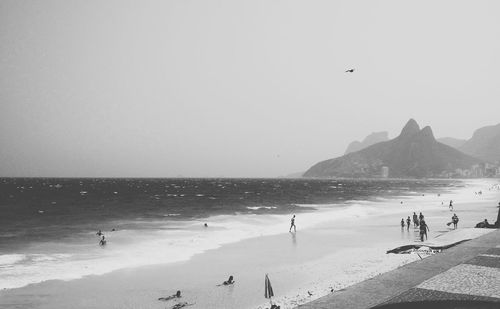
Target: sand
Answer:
pixel 331 255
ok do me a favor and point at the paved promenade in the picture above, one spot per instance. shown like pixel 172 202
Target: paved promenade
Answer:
pixel 464 276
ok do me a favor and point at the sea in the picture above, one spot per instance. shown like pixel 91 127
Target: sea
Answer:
pixel 48 226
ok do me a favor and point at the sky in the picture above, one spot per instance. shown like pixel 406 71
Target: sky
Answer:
pixel 232 88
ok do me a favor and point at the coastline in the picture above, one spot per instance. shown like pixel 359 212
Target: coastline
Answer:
pixel 296 263
pixel 465 276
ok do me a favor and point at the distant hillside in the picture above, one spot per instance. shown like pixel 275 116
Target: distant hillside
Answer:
pixel 414 153
pixel 484 144
pixel 371 139
pixel 452 142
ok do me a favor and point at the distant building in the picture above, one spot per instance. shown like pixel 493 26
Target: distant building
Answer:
pixel 385 171
pixel 460 173
pixel 490 170
pixel 477 171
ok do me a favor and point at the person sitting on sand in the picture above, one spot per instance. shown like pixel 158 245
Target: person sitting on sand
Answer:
pixel 423 230
pixel 292 224
pixel 482 224
pixel 176 295
pixel 454 219
pixel 408 221
pixel 181 305
pixel 229 281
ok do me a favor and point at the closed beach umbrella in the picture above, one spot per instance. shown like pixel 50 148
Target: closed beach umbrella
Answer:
pixel 268 293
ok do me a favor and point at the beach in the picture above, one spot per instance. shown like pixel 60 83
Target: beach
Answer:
pixel 331 249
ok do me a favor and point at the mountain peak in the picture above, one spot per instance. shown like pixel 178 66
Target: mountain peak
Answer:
pixel 375 137
pixel 410 128
pixel 414 153
pixel 427 133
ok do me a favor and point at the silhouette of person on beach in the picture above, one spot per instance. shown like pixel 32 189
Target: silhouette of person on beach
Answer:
pixel 181 305
pixel 102 242
pixel 497 223
pixel 402 223
pixel 423 230
pixel 483 224
pixel 454 219
pixel 176 295
pixel 229 281
pixel 99 233
pixel 415 220
pixel 421 217
pixel 408 221
pixel 205 225
pixel 292 224
pixel 451 205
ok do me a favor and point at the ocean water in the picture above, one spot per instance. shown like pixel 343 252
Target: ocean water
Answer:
pixel 48 226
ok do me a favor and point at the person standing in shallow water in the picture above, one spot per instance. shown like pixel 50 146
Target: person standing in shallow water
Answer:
pixel 102 242
pixel 415 220
pixel 292 224
pixel 408 222
pixel 454 219
pixel 423 230
pixel 402 223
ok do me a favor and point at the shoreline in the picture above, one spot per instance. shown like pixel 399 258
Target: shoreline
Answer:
pixel 67 252
pixel 465 274
pixel 310 258
pixel 387 263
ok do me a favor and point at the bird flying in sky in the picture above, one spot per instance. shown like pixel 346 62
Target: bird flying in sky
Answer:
pixel 350 70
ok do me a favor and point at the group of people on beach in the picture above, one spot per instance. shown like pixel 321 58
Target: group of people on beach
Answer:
pixel 102 238
pixel 177 295
pixel 418 222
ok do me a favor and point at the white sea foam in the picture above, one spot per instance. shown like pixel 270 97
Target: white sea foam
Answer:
pixel 170 242
pixel 261 207
pixel 11 259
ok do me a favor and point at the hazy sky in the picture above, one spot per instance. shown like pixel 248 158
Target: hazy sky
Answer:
pixel 234 88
